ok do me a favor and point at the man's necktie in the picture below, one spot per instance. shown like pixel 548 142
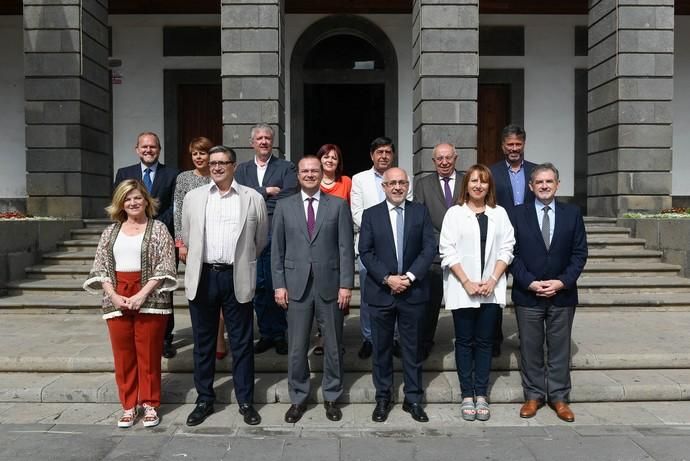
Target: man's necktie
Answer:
pixel 311 217
pixel 546 227
pixel 447 192
pixel 400 235
pixel 147 180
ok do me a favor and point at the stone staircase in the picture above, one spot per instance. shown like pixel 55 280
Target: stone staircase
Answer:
pixel 630 334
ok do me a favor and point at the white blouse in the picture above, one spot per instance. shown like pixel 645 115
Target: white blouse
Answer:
pixel 127 252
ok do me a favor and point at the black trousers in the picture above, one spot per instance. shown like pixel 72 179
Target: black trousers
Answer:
pixel 215 292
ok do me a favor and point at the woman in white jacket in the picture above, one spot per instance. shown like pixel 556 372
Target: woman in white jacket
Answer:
pixel 476 247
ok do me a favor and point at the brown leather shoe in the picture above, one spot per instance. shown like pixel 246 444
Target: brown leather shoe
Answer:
pixel 563 411
pixel 530 407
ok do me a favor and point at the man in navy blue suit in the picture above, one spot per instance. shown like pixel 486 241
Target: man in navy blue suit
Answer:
pixel 160 182
pixel 550 254
pixel 397 246
pixel 274 179
pixel 511 177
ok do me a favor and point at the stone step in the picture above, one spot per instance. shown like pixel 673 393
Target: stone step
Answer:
pixel 599 221
pixel 616 356
pixel 601 341
pixel 87 233
pixel 610 284
pixel 178 388
pixel 607 230
pixel 616 254
pixel 100 223
pixel 624 268
pixel 78 301
pixel 618 243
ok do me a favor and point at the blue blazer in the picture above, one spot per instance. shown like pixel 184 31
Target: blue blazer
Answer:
pixel 377 252
pixel 504 189
pixel 163 189
pixel 279 173
pixel 564 260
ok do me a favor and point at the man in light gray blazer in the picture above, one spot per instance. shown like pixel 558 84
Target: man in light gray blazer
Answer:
pixel 312 260
pixel 438 191
pixel 224 227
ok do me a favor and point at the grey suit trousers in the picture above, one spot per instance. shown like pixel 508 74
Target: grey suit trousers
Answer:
pixel 547 327
pixel 329 318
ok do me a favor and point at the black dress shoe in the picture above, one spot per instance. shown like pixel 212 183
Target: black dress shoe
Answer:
pixel 202 411
pixel 396 349
pixel 262 345
pixel 416 411
pixel 281 346
pixel 295 413
pixel 332 411
pixel 380 414
pixel 169 350
pixel 251 416
pixel 366 350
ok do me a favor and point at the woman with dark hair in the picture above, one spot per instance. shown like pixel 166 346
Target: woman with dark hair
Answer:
pixel 476 246
pixel 186 181
pixel 333 181
pixel 134 269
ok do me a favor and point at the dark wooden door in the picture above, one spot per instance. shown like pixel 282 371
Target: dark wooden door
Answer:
pixel 494 114
pixel 199 113
pixel 349 115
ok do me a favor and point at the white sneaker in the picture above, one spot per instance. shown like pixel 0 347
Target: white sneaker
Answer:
pixel 151 418
pixel 127 418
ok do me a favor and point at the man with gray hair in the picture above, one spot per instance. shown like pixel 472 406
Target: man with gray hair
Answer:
pixel 549 259
pixel 438 191
pixel 274 179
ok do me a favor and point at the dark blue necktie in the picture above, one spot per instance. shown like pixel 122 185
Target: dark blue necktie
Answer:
pixel 447 193
pixel 147 180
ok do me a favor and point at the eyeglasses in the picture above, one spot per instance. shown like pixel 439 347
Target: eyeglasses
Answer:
pixel 401 183
pixel 217 163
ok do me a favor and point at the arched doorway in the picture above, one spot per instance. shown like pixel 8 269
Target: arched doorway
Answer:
pixel 343 86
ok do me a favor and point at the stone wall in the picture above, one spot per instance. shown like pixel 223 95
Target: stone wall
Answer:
pixel 672 236
pixel 24 242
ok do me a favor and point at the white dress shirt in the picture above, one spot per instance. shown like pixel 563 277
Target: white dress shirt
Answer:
pixel 552 215
pixel 451 183
pixel 261 171
pixel 314 204
pixel 152 173
pixel 222 225
pixel 394 221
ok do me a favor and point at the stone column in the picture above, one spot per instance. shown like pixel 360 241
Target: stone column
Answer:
pixel 67 111
pixel 445 56
pixel 252 71
pixel 630 89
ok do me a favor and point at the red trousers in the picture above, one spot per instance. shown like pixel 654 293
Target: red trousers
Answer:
pixel 137 342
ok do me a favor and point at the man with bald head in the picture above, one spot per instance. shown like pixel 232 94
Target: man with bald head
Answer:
pixel 397 246
pixel 438 191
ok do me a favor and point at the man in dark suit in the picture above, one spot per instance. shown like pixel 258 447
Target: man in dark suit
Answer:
pixel 438 192
pixel 160 182
pixel 511 177
pixel 274 179
pixel 397 246
pixel 313 275
pixel 550 253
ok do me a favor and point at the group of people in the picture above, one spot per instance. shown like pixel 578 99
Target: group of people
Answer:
pixel 265 236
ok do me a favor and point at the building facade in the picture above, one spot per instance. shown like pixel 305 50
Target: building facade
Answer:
pixel 601 87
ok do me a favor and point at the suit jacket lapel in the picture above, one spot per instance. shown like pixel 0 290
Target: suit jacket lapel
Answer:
pixel 299 213
pixel 243 209
pixel 438 190
pixel 533 219
pixel 324 203
pixel 558 211
pixel 458 186
pixel 270 169
pixel 157 180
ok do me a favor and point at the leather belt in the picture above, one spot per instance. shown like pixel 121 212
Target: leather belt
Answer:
pixel 217 267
